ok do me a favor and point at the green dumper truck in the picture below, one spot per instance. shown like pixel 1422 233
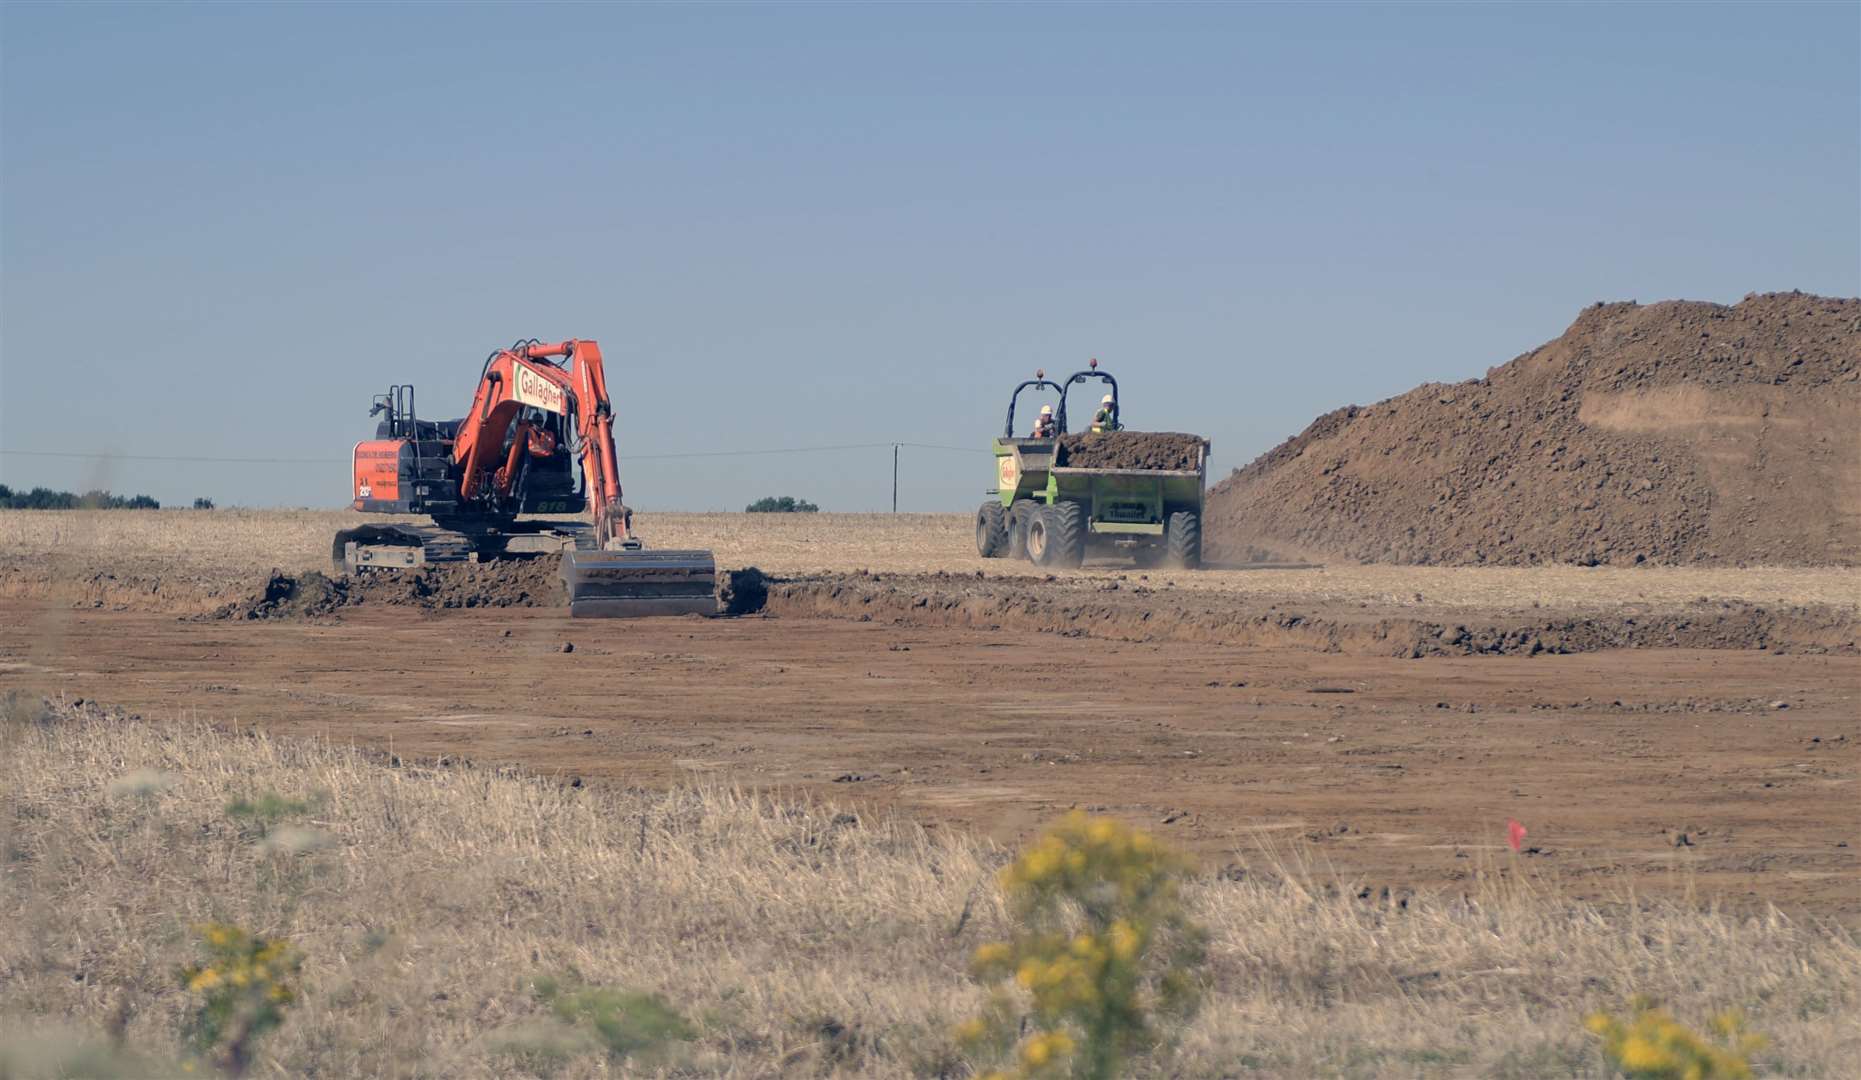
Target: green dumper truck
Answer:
pixel 1061 498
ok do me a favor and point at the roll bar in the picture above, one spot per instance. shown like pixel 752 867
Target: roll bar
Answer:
pixel 1039 379
pixel 1081 376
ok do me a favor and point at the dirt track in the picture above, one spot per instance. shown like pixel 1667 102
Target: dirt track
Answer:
pixel 1398 773
pixel 1128 607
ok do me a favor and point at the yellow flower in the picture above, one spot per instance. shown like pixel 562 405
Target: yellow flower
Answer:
pixel 1125 940
pixel 971 1030
pixel 1039 864
pixel 204 979
pixel 1043 1049
pixel 1081 867
pixel 1641 1055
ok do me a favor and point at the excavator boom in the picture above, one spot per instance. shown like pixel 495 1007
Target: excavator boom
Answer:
pixel 537 408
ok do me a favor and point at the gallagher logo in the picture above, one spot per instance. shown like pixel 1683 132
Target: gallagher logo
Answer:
pixel 531 388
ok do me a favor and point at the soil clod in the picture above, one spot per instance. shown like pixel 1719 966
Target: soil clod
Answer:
pixel 742 592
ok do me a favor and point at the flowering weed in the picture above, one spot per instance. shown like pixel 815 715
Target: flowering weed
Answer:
pixel 1104 948
pixel 245 987
pixel 1652 1045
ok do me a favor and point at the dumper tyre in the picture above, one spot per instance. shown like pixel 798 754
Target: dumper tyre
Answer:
pixel 1018 516
pixel 1056 537
pixel 991 530
pixel 1069 533
pixel 1182 540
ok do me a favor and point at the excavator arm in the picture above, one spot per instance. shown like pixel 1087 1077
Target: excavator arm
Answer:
pixel 529 375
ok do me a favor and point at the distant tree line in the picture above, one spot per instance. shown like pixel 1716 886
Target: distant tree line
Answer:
pixel 786 504
pixel 46 499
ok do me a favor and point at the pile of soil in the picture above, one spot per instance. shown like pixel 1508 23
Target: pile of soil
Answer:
pixel 1672 433
pixel 742 592
pixel 1129 450
pixel 529 582
pixel 533 582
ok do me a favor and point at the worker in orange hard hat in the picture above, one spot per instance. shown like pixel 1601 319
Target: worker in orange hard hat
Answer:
pixel 1044 426
pixel 1106 419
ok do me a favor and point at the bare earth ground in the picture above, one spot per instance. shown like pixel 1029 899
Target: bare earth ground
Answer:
pixel 218 557
pixel 1230 708
pixel 1608 758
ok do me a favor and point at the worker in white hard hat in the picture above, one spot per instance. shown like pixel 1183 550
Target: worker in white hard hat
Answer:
pixel 1044 426
pixel 1106 419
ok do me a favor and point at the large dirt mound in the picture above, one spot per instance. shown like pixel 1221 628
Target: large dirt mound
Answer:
pixel 1678 432
pixel 1129 450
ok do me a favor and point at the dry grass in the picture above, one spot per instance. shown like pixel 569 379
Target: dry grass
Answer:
pixel 237 544
pixel 798 941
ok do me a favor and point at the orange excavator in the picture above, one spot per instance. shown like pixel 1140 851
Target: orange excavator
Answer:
pixel 540 412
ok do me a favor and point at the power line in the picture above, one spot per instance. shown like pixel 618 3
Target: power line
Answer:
pixel 624 458
pixel 171 457
pixel 940 446
pixel 210 459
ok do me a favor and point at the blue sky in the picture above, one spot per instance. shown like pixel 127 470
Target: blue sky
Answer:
pixel 223 228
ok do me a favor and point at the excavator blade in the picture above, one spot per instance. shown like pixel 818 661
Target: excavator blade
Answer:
pixel 631 583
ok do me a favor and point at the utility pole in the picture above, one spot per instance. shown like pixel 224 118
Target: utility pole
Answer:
pixel 894 478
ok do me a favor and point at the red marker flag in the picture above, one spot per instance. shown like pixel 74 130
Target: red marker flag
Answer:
pixel 1515 834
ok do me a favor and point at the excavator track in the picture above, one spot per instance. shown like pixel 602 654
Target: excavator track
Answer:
pixel 368 548
pixel 628 583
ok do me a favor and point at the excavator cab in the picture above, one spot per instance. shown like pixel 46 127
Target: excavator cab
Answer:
pixel 405 468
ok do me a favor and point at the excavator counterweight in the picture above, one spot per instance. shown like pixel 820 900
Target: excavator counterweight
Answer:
pixel 538 412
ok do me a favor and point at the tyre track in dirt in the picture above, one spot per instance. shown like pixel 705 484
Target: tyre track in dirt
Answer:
pixel 1093 605
pixel 1119 611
